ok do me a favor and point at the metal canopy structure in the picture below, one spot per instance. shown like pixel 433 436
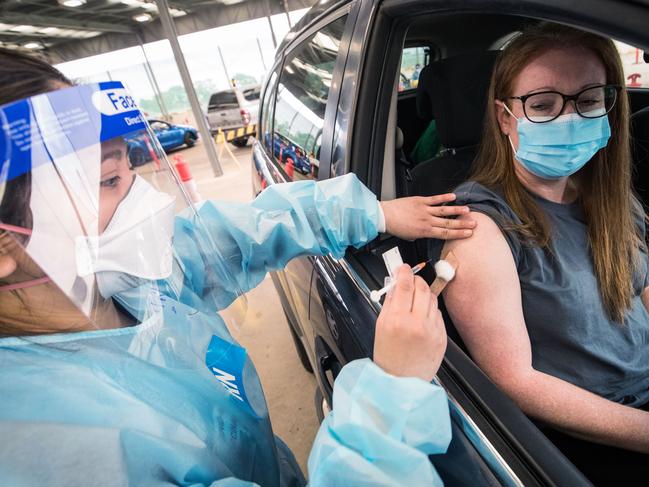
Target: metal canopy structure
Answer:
pixel 65 30
pixel 63 33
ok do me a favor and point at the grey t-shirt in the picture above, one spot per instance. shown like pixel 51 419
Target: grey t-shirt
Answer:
pixel 571 335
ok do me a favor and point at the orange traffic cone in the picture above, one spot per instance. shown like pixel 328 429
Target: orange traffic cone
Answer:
pixel 290 168
pixel 185 175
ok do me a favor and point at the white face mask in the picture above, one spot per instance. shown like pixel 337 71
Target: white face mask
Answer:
pixel 136 245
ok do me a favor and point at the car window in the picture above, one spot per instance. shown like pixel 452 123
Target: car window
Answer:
pixel 636 71
pixel 252 94
pixel 266 113
pixel 158 125
pixel 302 94
pixel 413 59
pixel 224 99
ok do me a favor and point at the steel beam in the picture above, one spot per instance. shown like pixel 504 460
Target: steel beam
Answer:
pixel 201 121
pixel 63 23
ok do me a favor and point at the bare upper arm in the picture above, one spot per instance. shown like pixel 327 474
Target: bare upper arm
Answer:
pixel 484 302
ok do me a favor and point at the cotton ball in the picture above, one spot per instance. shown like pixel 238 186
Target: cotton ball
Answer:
pixel 444 270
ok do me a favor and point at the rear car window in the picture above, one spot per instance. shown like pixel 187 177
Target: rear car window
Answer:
pixel 252 94
pixel 413 59
pixel 223 99
pixel 636 71
pixel 302 94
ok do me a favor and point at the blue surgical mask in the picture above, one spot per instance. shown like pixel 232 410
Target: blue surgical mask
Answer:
pixel 559 148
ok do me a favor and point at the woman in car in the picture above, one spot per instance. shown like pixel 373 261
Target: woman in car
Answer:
pixel 551 293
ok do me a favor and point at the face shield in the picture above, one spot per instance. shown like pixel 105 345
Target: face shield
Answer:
pixel 91 209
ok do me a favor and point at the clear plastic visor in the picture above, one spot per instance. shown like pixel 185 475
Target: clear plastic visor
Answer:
pixel 96 228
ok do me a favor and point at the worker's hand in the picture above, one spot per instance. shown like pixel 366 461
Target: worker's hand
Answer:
pixel 424 217
pixel 410 338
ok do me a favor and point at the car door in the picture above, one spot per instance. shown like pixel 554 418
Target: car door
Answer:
pixel 304 96
pixel 163 133
pixel 486 424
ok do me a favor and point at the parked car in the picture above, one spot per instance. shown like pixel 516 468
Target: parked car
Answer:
pixel 337 74
pixel 169 135
pixel 233 109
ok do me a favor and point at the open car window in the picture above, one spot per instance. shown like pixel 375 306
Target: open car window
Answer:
pixel 413 59
pixel 636 71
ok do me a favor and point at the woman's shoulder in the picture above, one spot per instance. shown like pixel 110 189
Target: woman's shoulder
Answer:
pixel 484 199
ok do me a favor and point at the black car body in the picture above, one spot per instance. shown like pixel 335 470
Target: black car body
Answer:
pixel 340 64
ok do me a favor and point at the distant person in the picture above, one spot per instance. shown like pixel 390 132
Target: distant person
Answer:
pixel 415 74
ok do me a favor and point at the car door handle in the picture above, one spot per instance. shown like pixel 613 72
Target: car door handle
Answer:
pixel 326 361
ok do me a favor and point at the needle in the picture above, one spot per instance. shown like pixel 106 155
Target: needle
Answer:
pixel 377 294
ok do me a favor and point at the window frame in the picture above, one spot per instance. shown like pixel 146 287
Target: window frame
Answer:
pixel 351 10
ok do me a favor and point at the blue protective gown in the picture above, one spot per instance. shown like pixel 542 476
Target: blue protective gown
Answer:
pixel 139 405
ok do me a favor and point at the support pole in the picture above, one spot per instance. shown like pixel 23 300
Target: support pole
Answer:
pixel 225 68
pixel 270 23
pixel 204 130
pixel 152 80
pixel 261 55
pixel 288 17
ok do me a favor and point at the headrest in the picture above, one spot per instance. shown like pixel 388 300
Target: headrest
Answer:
pixel 457 88
pixel 398 139
pixel 640 124
pixel 424 94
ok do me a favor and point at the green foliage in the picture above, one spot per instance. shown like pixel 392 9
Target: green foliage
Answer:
pixel 175 98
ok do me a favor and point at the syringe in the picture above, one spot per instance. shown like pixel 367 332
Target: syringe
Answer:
pixel 377 294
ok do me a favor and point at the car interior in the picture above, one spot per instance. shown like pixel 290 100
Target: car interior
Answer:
pixel 451 91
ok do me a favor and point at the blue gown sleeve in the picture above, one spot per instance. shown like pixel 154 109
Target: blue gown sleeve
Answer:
pixel 381 430
pixel 285 221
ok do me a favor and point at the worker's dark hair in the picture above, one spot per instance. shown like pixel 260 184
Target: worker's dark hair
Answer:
pixel 22 76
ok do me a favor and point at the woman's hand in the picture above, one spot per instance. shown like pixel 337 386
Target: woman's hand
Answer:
pixel 423 217
pixel 410 336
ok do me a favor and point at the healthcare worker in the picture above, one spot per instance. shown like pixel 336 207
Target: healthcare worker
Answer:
pixel 115 367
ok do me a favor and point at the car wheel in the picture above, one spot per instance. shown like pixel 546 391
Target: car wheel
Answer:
pixel 322 407
pixel 241 142
pixel 190 139
pixel 137 157
pixel 299 348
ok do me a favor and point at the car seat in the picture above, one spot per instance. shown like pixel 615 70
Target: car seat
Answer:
pixel 453 91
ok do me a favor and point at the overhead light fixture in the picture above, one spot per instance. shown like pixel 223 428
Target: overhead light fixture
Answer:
pixel 33 45
pixel 72 3
pixel 143 17
pixel 24 29
pixel 50 31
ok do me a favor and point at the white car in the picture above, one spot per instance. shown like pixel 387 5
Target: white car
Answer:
pixel 233 109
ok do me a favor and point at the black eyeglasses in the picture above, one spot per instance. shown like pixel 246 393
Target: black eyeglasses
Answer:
pixel 545 106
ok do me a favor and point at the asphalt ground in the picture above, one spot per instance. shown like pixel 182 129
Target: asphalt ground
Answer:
pixel 265 335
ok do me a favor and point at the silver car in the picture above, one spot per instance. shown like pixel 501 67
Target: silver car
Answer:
pixel 234 109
